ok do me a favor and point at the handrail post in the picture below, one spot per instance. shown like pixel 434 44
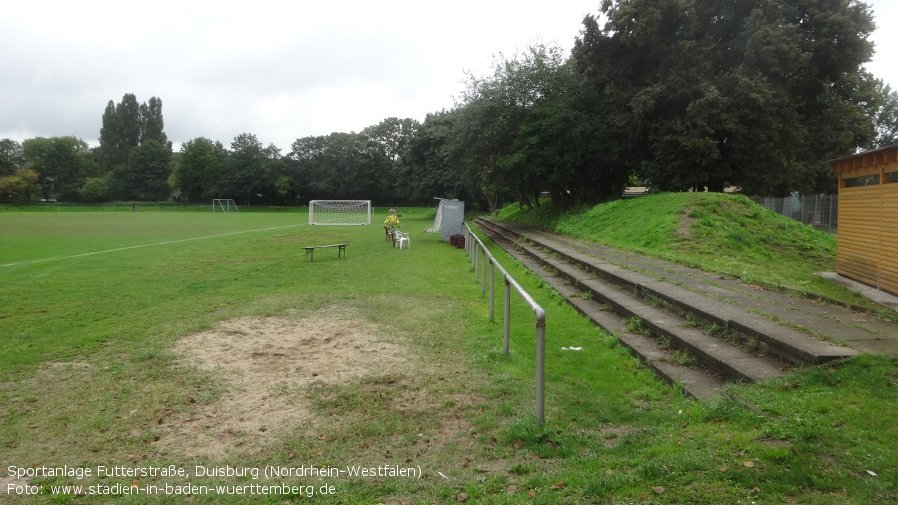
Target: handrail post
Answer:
pixel 538 312
pixel 492 289
pixel 476 263
pixel 483 276
pixel 507 330
pixel 540 366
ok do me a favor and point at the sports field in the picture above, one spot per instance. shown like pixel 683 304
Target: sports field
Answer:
pixel 194 339
pixel 150 355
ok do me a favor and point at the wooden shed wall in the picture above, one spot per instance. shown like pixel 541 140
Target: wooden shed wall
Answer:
pixel 867 248
pixel 857 252
pixel 889 242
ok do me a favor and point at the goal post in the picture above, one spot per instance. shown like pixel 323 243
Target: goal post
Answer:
pixel 224 205
pixel 340 212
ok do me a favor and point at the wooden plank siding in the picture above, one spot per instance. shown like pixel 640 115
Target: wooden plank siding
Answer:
pixel 889 239
pixel 867 240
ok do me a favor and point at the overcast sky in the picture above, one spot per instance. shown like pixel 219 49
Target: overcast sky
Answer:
pixel 280 70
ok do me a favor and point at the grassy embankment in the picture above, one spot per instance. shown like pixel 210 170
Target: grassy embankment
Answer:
pixel 714 232
pixel 93 304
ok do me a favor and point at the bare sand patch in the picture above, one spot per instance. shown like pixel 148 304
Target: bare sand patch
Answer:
pixel 264 364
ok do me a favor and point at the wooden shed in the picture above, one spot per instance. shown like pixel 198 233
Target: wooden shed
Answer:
pixel 867 247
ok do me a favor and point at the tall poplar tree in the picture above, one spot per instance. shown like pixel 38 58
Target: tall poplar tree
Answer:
pixel 151 122
pixel 129 127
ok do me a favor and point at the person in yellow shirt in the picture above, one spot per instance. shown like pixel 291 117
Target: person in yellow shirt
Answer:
pixel 392 219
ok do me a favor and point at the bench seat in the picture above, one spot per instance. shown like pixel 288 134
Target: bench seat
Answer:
pixel 310 250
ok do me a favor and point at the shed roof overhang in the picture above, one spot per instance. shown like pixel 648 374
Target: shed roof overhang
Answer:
pixel 866 159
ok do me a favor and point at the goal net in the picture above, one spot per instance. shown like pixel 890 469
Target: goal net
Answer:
pixel 438 222
pixel 224 205
pixel 340 212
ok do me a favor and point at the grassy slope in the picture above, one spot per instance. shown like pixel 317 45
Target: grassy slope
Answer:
pixel 716 232
pixel 87 377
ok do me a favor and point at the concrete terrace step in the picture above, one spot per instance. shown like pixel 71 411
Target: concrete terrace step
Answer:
pixel 616 293
pixel 850 327
pixel 784 341
pixel 697 382
pixel 725 357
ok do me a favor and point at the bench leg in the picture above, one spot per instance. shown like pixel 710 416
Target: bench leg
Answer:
pixel 310 255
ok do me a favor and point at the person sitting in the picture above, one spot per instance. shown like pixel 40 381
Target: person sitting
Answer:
pixel 392 220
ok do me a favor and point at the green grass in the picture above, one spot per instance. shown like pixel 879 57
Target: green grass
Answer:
pixel 93 303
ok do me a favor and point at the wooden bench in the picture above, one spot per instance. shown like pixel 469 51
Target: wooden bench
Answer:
pixel 310 250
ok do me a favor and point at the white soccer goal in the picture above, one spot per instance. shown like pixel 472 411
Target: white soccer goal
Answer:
pixel 224 205
pixel 340 212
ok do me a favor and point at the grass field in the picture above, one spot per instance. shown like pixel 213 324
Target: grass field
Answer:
pixel 95 308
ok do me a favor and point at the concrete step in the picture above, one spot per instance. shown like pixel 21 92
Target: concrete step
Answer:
pixel 725 357
pixel 609 293
pixel 698 382
pixel 782 341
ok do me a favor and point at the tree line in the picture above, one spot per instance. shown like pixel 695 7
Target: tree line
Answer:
pixel 671 94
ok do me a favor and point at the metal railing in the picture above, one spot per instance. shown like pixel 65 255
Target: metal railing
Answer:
pixel 480 257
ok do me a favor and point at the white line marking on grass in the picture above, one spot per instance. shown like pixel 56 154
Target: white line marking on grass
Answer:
pixel 118 249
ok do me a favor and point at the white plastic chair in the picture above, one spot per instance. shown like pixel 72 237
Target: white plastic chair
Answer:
pixel 403 238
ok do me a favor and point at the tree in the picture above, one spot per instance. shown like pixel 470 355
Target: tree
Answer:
pixel 494 110
pixel 63 164
pixel 885 116
pixel 109 151
pixel 12 157
pixel 200 168
pixel 95 189
pixel 129 123
pixel 427 168
pixel 149 167
pixel 708 93
pixel 120 132
pixel 252 170
pixel 304 165
pixel 21 187
pixel 392 135
pixel 568 148
pixel 127 127
pixel 151 122
pixel 342 165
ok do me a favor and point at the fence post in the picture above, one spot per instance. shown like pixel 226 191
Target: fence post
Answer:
pixel 831 213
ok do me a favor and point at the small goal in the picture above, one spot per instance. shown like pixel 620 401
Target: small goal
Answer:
pixel 224 205
pixel 340 212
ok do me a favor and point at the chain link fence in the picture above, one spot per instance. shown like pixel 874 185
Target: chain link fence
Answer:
pixel 820 211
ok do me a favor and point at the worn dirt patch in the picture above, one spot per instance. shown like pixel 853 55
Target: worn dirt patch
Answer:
pixel 684 227
pixel 265 364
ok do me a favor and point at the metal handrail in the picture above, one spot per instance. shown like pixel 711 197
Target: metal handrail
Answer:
pixel 474 254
